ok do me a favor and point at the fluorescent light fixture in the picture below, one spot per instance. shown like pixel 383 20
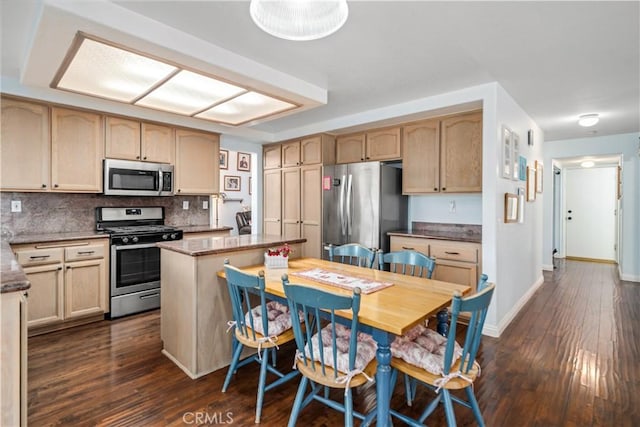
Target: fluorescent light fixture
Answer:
pixel 99 68
pixel 587 120
pixel 299 20
pixel 587 164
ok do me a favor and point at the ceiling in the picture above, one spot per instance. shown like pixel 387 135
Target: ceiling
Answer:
pixel 556 59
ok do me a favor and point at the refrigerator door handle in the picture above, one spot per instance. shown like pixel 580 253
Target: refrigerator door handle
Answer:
pixel 349 202
pixel 343 224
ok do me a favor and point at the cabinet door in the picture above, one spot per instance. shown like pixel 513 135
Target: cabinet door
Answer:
pixel 291 203
pixel 46 302
pixel 122 138
pixel 384 144
pixel 311 210
pixel 24 154
pixel 404 243
pixel 311 151
pixel 84 285
pixel 158 143
pixel 463 273
pixel 350 148
pixel 291 154
pixel 272 157
pixel 77 150
pixel 421 158
pixel 197 162
pixel 272 196
pixel 461 154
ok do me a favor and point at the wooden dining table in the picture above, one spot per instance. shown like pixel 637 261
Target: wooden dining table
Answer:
pixel 384 313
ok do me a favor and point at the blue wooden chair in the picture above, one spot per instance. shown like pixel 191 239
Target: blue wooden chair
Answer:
pixel 482 282
pixel 412 263
pixel 343 359
pixel 452 376
pixel 352 253
pixel 252 328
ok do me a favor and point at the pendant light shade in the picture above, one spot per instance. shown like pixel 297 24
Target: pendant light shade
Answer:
pixel 299 19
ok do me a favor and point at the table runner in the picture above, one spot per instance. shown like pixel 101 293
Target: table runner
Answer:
pixel 342 281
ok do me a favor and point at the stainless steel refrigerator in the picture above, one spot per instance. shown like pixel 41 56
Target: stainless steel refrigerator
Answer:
pixel 361 203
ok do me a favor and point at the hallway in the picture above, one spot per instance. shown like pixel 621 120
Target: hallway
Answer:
pixel 570 358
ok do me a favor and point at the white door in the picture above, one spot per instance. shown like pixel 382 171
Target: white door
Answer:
pixel 590 213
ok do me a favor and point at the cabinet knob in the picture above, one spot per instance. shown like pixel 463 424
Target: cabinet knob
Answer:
pixel 368 158
pixel 361 159
pixel 444 189
pixel 435 189
pixel 55 185
pixel 144 158
pixel 59 268
pixel 44 185
pixel 137 157
pixel 179 190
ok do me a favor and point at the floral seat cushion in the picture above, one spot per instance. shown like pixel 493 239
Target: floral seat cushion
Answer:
pixel 365 353
pixel 425 348
pixel 279 319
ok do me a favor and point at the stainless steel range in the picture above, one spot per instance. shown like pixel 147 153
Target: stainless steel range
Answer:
pixel 135 258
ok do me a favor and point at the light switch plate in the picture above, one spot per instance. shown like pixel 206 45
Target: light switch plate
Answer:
pixel 185 204
pixel 205 204
pixel 16 206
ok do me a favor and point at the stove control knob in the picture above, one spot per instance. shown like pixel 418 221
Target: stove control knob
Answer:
pixel 134 239
pixel 173 236
pixel 165 236
pixel 125 240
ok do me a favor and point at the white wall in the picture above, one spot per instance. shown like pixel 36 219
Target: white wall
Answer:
pixel 627 146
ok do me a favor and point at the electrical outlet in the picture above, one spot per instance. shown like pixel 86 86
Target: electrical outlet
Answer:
pixel 16 206
pixel 205 204
pixel 452 206
pixel 185 204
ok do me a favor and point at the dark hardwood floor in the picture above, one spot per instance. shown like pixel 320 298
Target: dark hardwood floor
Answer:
pixel 570 358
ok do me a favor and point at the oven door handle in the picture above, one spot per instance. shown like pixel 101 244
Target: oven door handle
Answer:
pixel 140 246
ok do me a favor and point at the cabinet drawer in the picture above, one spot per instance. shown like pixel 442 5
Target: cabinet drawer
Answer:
pixel 454 252
pixel 84 252
pixel 401 243
pixel 39 256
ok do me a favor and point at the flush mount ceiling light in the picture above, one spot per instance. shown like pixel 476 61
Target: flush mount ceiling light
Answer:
pixel 587 120
pixel 299 20
pixel 587 164
pixel 99 68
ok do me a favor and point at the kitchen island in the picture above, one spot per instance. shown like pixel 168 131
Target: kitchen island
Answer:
pixel 195 305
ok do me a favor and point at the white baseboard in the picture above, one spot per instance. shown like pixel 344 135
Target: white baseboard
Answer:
pixel 547 267
pixel 493 331
pixel 628 277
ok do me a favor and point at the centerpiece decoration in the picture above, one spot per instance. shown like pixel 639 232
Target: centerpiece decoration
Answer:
pixel 277 257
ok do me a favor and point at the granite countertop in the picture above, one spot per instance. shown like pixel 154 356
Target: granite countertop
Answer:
pixel 201 228
pixel 224 244
pixel 13 278
pixel 454 232
pixel 55 237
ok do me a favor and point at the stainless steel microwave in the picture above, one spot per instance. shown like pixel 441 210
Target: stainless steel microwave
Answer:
pixel 129 178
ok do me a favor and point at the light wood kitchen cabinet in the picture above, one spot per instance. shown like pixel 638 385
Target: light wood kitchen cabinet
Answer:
pixel 456 262
pixel 291 203
pixel 350 148
pixel 272 197
pixel 133 140
pixel 443 155
pixel 311 210
pixel 461 154
pixel 197 162
pixel 311 151
pixel 382 144
pixel 13 358
pixel 24 154
pixel 77 150
pixel 272 156
pixel 69 282
pixel 290 154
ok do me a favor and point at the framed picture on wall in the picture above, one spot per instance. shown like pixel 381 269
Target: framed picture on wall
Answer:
pixel 249 185
pixel 224 159
pixel 506 153
pixel 231 183
pixel 538 177
pixel 244 162
pixel 531 184
pixel 510 207
pixel 515 156
pixel 522 169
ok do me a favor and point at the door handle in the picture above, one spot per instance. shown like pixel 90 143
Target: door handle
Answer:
pixel 349 186
pixel 569 218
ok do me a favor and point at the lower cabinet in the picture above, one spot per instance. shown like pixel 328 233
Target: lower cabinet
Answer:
pixel 69 282
pixel 456 262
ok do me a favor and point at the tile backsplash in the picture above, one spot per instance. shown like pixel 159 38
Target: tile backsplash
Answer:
pixel 66 212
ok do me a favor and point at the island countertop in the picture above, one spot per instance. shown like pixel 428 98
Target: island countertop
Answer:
pixel 13 278
pixel 219 245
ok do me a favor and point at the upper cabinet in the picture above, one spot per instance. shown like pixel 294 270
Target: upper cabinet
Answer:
pixel 312 150
pixel 133 140
pixel 382 144
pixel 25 158
pixel 290 154
pixel 197 162
pixel 272 156
pixel 443 155
pixel 77 150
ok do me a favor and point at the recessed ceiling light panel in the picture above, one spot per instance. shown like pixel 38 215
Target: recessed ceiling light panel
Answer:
pixel 587 164
pixel 105 71
pixel 189 93
pixel 244 108
pixel 587 120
